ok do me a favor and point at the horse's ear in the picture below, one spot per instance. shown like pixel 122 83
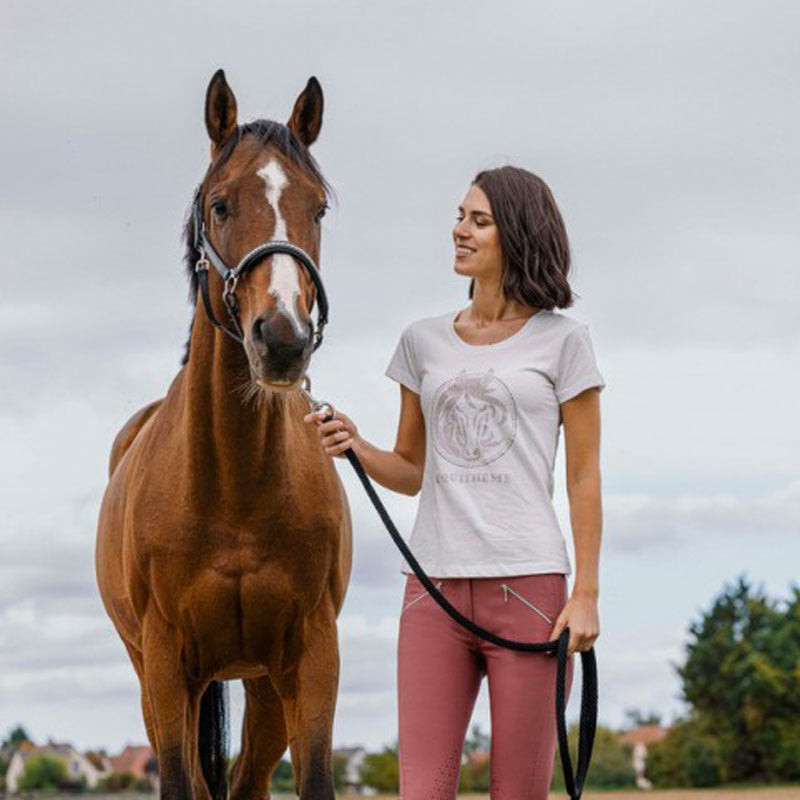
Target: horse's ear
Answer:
pixel 306 119
pixel 220 111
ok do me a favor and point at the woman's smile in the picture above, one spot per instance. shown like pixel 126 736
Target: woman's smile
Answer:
pixel 462 251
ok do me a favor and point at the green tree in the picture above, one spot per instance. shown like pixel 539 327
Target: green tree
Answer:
pixel 635 717
pixel 689 756
pixel 16 736
pixel 339 771
pixel 282 777
pixel 381 770
pixel 611 765
pixel 117 782
pixel 474 777
pixel 43 772
pixel 477 740
pixel 742 681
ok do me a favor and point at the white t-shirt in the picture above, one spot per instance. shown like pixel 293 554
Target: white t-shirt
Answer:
pixel 492 428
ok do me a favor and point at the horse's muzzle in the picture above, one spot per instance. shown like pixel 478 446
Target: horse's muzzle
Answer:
pixel 275 352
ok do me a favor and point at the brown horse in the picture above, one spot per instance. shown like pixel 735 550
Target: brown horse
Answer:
pixel 224 538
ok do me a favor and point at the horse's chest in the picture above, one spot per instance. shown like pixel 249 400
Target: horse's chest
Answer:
pixel 243 566
pixel 243 621
pixel 236 573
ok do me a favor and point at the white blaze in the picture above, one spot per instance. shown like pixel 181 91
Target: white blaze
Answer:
pixel 284 283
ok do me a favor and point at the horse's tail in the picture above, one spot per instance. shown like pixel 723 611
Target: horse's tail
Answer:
pixel 213 738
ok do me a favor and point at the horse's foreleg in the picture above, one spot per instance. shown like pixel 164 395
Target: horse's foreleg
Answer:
pixel 310 701
pixel 147 715
pixel 264 740
pixel 172 707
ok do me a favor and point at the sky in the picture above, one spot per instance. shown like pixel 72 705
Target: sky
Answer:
pixel 670 136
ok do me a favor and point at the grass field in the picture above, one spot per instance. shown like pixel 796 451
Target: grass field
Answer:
pixel 784 793
pixel 767 793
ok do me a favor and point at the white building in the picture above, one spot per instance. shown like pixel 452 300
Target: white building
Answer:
pixel 640 738
pixel 77 765
pixel 354 759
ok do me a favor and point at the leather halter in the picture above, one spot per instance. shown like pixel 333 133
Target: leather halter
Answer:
pixel 230 277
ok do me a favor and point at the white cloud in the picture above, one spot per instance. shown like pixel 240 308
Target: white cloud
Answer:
pixel 639 521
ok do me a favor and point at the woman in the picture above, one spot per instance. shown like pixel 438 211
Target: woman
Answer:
pixel 483 394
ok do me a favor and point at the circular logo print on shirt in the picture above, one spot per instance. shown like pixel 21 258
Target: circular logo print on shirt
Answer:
pixel 474 418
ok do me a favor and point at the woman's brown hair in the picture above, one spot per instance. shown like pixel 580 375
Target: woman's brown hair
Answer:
pixel 536 257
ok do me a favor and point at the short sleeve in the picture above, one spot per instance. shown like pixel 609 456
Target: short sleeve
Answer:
pixel 403 366
pixel 577 369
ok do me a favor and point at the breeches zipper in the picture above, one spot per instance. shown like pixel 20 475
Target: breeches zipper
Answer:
pixel 438 585
pixel 507 589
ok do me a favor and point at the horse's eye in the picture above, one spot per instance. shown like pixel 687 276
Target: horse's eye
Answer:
pixel 219 209
pixel 321 213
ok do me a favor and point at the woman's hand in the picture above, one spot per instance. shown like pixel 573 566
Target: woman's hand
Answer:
pixel 580 615
pixel 336 435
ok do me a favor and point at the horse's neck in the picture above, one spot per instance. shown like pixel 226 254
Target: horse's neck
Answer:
pixel 232 436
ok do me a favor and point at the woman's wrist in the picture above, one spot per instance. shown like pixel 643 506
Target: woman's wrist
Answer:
pixel 359 445
pixel 588 590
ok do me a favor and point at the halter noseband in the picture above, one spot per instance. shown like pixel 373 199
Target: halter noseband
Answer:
pixel 230 277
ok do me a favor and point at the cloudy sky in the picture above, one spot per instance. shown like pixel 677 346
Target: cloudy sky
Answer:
pixel 669 134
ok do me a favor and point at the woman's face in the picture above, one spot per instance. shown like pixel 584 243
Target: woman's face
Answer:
pixel 478 251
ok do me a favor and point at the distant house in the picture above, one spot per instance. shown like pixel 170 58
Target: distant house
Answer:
pixel 477 758
pixel 78 766
pixel 354 758
pixel 640 738
pixel 140 760
pixel 100 760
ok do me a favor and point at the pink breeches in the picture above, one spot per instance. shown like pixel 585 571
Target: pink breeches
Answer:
pixel 439 670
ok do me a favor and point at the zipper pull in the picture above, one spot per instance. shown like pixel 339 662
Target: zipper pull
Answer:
pixel 505 592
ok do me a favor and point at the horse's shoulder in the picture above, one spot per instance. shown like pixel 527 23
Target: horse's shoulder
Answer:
pixel 129 431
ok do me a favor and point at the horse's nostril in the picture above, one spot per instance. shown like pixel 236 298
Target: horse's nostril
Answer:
pixel 260 331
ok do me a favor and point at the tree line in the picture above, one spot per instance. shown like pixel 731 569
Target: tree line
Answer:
pixel 741 681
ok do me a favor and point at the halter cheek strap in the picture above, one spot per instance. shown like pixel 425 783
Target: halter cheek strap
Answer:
pixel 230 277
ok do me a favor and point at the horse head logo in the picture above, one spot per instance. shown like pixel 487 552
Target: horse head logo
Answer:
pixel 474 419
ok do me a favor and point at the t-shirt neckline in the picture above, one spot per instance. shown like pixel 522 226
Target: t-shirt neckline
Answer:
pixel 451 318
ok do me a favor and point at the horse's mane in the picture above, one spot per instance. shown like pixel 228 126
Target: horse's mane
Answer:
pixel 268 132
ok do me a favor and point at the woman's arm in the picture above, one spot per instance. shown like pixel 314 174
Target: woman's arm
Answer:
pixel 581 416
pixel 400 469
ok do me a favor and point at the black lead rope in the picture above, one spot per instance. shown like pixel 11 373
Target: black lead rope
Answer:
pixel 574 782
